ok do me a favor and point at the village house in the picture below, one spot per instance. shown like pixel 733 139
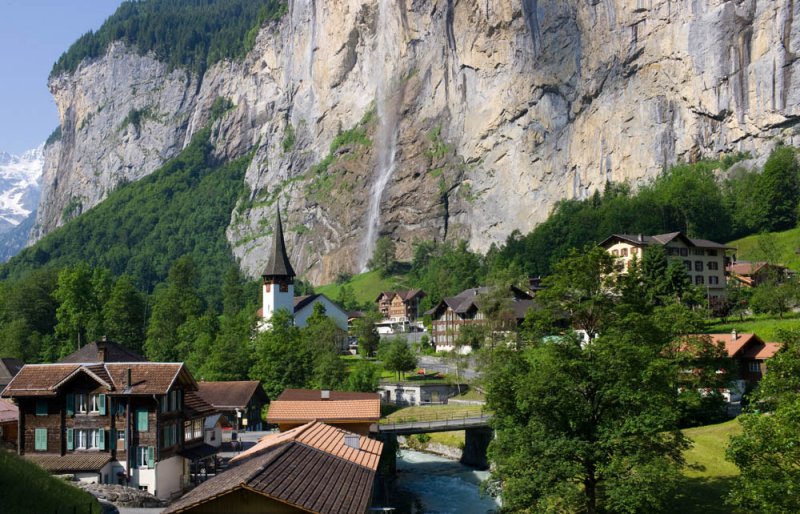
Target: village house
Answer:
pixel 400 306
pixel 139 424
pixel 278 288
pixel 753 274
pixel 449 315
pixel 704 260
pixel 312 468
pixel 8 368
pixel 9 419
pixel 241 402
pixel 347 410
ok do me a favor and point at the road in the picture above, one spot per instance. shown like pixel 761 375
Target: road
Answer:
pixel 433 363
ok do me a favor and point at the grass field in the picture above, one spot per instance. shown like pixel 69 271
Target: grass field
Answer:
pixel 784 247
pixel 432 412
pixel 366 286
pixel 708 476
pixel 27 488
pixel 766 327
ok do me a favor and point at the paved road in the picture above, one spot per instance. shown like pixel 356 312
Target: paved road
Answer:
pixel 432 363
pixel 127 510
pixel 428 427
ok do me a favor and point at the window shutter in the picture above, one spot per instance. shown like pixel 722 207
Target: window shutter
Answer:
pixel 70 404
pixel 40 442
pixel 141 420
pixel 101 439
pixel 70 439
pixel 151 457
pixel 101 400
pixel 41 407
pixel 179 393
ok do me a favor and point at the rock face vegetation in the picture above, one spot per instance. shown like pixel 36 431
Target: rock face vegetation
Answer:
pixel 483 114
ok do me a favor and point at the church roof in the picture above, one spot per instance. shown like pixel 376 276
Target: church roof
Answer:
pixel 278 264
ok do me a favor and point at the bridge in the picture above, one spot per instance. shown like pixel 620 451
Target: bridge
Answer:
pixel 477 433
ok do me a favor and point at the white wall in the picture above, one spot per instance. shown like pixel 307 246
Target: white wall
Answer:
pixel 331 309
pixel 275 300
pixel 169 476
pixel 88 477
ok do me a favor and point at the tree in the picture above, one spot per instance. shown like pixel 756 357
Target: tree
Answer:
pixel 779 189
pixel 124 315
pixel 233 298
pixel 768 450
pixel 366 334
pixel 231 353
pixel 79 313
pixel 347 298
pixel 399 358
pixel 281 360
pixel 383 258
pixel 774 298
pixel 364 377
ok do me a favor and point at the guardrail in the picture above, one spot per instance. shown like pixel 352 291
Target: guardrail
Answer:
pixel 442 425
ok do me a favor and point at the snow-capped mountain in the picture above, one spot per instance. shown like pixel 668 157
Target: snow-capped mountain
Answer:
pixel 19 186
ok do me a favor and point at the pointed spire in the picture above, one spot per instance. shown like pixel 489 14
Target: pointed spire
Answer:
pixel 278 264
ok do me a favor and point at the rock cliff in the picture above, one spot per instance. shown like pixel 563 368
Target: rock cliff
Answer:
pixel 455 118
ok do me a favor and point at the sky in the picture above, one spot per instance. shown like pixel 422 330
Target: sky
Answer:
pixel 33 34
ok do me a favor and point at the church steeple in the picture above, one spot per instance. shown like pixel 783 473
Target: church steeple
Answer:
pixel 278 265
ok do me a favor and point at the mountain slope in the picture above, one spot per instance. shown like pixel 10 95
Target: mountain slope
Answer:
pixel 477 117
pixel 19 186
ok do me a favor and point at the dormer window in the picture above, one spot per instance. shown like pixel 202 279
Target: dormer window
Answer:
pixel 94 403
pixel 81 404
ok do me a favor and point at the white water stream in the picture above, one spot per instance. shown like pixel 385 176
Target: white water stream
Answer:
pixel 388 122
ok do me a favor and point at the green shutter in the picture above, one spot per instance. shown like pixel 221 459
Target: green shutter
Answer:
pixel 70 404
pixel 141 420
pixel 41 407
pixel 151 457
pixel 70 439
pixel 179 394
pixel 101 439
pixel 41 439
pixel 101 399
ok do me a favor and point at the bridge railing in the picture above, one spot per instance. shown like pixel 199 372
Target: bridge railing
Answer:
pixel 438 420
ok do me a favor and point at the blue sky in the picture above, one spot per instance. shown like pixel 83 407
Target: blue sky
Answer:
pixel 33 34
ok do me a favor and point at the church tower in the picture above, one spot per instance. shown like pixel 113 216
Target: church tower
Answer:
pixel 278 287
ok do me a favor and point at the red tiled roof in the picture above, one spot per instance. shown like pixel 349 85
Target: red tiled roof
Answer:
pixel 304 405
pixel 323 437
pixel 302 475
pixel 230 395
pixel 734 346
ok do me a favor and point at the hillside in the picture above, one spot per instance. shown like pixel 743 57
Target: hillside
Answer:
pixel 780 247
pixel 22 481
pixel 143 227
pixel 366 286
pixel 479 127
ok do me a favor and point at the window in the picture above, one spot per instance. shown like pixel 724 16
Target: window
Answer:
pixel 197 428
pixel 284 288
pixel 713 280
pixel 684 252
pixel 754 367
pixel 698 265
pixel 713 266
pixel 624 252
pixel 41 407
pixel 94 404
pixel 688 265
pixel 187 430
pixel 81 439
pixel 712 253
pixel 169 435
pixel 121 440
pixel 145 457
pixel 40 442
pixel 615 253
pixel 80 403
pixel 699 280
pixel 634 251
pixel 697 251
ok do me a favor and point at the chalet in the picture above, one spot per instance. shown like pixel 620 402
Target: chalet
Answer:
pixel 749 352
pixel 400 306
pixel 241 402
pixel 705 260
pixel 449 315
pixel 753 274
pixel 8 368
pixel 277 290
pixel 131 423
pixel 347 410
pixel 312 468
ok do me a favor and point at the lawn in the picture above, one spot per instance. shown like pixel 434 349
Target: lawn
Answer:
pixel 366 286
pixel 765 326
pixel 433 412
pixel 785 246
pixel 27 488
pixel 708 476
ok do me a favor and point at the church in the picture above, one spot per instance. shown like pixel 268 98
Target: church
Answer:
pixel 278 288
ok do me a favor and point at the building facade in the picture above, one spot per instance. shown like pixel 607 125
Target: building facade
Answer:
pixel 400 306
pixel 705 261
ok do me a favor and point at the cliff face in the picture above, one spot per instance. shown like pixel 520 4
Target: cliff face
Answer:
pixel 459 119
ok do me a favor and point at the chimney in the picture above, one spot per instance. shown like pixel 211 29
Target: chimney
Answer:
pixel 352 441
pixel 325 394
pixel 640 238
pixel 101 349
pixel 128 380
pixel 734 335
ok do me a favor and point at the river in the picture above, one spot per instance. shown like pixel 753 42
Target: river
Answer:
pixel 435 485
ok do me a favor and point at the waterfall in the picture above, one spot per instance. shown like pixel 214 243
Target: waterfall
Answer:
pixel 386 137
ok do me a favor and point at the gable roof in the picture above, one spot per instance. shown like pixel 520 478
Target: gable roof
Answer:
pixel 113 353
pixel 469 300
pixel 147 378
pixel 304 405
pixel 278 264
pixel 308 470
pixel 9 367
pixel 404 294
pixel 231 395
pixel 663 239
pixel 70 462
pixel 196 406
pixel 747 346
